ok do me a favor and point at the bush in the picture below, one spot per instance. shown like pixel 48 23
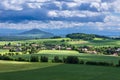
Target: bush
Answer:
pixel 4 57
pixel 44 59
pixel 118 65
pixel 56 59
pixel 64 60
pixel 17 53
pixel 91 63
pixel 34 59
pixel 81 62
pixel 119 62
pixel 105 64
pixel 20 59
pixel 71 60
pixel 99 63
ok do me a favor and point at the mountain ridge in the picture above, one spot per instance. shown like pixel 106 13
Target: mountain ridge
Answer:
pixel 36 33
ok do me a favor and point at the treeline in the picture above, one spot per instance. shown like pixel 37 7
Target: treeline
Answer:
pixel 66 60
pixel 84 36
pixel 99 36
pixel 117 38
pixel 31 59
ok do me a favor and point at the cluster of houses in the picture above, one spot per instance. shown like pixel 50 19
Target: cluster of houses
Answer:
pixel 18 47
pixel 88 51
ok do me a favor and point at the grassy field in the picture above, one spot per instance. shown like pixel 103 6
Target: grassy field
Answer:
pixel 96 43
pixel 53 71
pixel 3 51
pixel 64 53
pixel 11 66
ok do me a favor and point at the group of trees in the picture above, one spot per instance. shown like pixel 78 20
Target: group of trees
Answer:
pixel 81 36
pixel 11 53
pixel 85 36
pixel 5 57
pixel 76 60
pixel 31 59
pixel 37 59
pixel 69 59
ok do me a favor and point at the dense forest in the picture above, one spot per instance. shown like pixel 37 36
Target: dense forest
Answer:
pixel 84 36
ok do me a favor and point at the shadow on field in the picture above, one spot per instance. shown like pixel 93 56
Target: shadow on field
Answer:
pixel 65 72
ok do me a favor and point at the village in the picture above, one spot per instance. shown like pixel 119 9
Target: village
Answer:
pixel 34 47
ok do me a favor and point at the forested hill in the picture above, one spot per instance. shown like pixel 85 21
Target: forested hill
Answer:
pixel 85 36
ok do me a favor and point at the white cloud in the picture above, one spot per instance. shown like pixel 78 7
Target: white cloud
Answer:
pixel 115 5
pixel 95 4
pixel 87 0
pixel 67 9
pixel 58 4
pixel 52 14
pixel 34 5
pixel 112 18
pixel 12 5
pixel 74 13
pixel 104 6
pixel 72 4
pixel 21 4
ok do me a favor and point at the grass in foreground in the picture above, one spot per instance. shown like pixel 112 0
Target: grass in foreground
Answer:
pixel 60 72
pixel 10 66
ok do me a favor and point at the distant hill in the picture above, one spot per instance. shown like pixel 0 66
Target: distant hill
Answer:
pixel 36 33
pixel 23 34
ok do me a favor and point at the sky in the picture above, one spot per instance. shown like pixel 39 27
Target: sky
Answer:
pixel 90 15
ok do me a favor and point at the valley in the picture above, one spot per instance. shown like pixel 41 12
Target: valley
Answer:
pixel 52 57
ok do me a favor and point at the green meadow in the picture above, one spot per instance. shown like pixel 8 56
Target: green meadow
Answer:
pixel 55 71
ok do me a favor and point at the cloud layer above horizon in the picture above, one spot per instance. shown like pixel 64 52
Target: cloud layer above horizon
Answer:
pixel 56 14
